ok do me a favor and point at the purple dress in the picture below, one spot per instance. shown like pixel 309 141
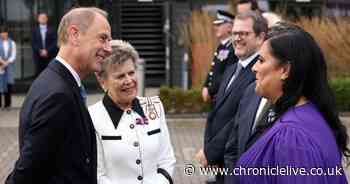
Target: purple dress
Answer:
pixel 299 148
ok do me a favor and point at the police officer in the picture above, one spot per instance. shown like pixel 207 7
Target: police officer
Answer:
pixel 223 56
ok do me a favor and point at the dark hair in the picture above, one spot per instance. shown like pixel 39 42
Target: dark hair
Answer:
pixel 4 28
pixel 254 4
pixel 259 22
pixel 307 76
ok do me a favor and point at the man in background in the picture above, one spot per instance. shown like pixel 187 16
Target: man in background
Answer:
pixel 249 30
pixel 223 57
pixel 44 43
pixel 247 5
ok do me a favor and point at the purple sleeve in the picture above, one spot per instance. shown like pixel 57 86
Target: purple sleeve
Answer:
pixel 297 156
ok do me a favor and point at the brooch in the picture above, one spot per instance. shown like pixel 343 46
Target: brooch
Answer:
pixel 141 121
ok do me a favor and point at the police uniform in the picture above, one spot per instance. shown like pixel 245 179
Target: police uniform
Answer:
pixel 223 56
pixel 133 145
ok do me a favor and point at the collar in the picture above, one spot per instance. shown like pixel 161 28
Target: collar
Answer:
pixel 225 41
pixel 247 61
pixel 116 113
pixel 43 26
pixel 71 70
pixel 5 43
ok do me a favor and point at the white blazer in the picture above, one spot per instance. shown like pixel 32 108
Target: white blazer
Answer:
pixel 134 152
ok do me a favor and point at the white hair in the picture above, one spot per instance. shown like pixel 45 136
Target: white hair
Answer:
pixel 271 18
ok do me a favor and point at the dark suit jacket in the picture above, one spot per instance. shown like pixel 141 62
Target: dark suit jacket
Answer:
pixel 56 135
pixel 242 137
pixel 218 127
pixel 219 65
pixel 50 43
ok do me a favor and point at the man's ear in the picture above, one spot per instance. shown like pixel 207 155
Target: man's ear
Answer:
pixel 73 34
pixel 261 38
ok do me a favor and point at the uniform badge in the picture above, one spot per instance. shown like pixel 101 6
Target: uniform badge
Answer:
pixel 152 112
pixel 223 54
pixel 152 115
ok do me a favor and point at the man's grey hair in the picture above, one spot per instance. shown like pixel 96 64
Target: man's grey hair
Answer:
pixel 81 17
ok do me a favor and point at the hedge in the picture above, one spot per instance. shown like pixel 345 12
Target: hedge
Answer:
pixel 176 100
pixel 341 89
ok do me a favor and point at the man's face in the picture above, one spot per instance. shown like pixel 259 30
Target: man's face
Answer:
pixel 4 35
pixel 223 30
pixel 94 45
pixel 244 7
pixel 244 39
pixel 42 19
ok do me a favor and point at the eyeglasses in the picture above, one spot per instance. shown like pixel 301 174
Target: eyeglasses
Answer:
pixel 241 34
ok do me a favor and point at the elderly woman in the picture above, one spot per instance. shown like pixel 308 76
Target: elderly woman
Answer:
pixel 133 139
pixel 305 138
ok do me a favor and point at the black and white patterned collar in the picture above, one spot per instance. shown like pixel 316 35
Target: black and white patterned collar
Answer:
pixel 115 113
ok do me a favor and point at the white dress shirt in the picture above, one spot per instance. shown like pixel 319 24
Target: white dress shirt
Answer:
pixel 71 70
pixel 244 63
pixel 43 31
pixel 6 46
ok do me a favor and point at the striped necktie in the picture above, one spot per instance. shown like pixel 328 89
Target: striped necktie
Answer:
pixel 234 76
pixel 83 93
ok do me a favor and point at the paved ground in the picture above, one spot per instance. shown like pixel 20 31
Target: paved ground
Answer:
pixel 186 135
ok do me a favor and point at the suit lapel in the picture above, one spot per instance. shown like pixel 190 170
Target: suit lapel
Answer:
pixel 258 132
pixel 68 77
pixel 243 75
pixel 225 82
pixel 38 34
pixel 252 112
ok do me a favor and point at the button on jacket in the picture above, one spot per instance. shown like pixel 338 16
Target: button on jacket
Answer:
pixel 223 57
pixel 133 145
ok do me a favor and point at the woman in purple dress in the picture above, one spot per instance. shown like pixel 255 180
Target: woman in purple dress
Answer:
pixel 306 140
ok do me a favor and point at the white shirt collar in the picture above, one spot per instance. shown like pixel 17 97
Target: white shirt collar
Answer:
pixel 224 41
pixel 71 70
pixel 43 26
pixel 247 61
pixel 5 44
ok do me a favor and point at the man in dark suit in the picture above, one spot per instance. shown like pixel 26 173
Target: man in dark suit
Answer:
pixel 251 116
pixel 57 142
pixel 44 43
pixel 223 56
pixel 248 31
